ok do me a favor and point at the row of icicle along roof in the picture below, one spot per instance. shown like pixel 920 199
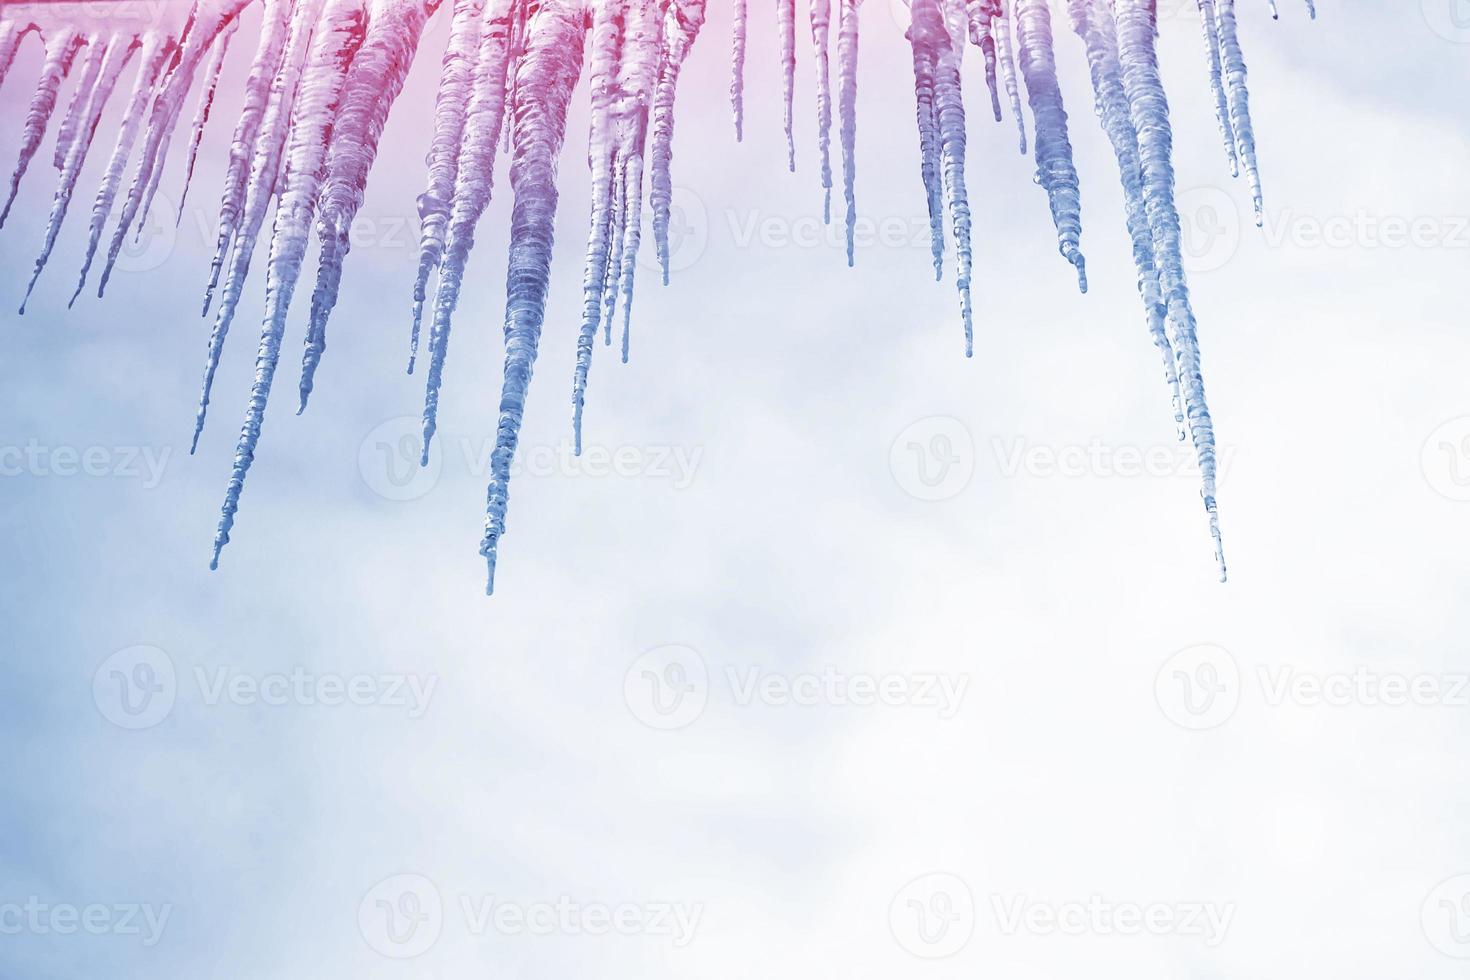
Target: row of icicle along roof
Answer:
pixel 325 73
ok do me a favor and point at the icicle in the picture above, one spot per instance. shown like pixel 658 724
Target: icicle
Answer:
pixel 619 240
pixel 12 32
pixel 118 52
pixel 1054 168
pixel 1093 21
pixel 821 12
pixel 552 63
pixel 737 67
pixel 96 50
pixel 1137 31
pixel 1240 106
pixel 1211 29
pixel 1312 9
pixel 929 166
pixel 157 49
pixel 336 40
pixel 847 57
pixel 275 25
pixel 981 14
pixel 786 21
pixel 473 185
pixel 206 105
pixel 61 48
pixel 1275 14
pixel 265 171
pixel 205 25
pixel 1005 52
pixel 684 20
pixel 373 84
pixel 449 113
pixel 604 53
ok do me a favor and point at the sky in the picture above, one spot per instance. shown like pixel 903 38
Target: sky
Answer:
pixel 838 653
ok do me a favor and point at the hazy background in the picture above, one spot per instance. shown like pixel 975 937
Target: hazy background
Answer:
pixel 855 500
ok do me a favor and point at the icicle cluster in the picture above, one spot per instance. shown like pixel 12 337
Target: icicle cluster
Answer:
pixel 325 74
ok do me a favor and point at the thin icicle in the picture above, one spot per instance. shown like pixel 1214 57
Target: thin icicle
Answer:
pixel 119 51
pixel 449 112
pixel 373 85
pixel 682 25
pixel 929 165
pixel 821 12
pixel 206 105
pixel 274 28
pixel 157 49
pixel 1137 33
pixel 1211 27
pixel 981 15
pixel 265 171
pixel 847 60
pixel 550 69
pixel 1000 29
pixel 737 67
pixel 786 22
pixel 76 108
pixel 206 23
pixel 61 49
pixel 473 186
pixel 336 40
pixel 1240 105
pixel 1055 170
pixel 1093 21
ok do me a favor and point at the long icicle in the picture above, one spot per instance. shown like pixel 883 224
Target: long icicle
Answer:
pixel 265 170
pixel 786 23
pixel 1210 25
pixel 61 49
pixel 1137 34
pixel 1240 105
pixel 157 49
pixel 206 105
pixel 119 52
pixel 821 13
pixel 274 28
pixel 449 112
pixel 1005 44
pixel 925 66
pixel 335 41
pixel 847 60
pixel 76 108
pixel 373 84
pixel 1093 21
pixel 737 66
pixel 684 20
pixel 981 16
pixel 1055 171
pixel 949 111
pixel 473 186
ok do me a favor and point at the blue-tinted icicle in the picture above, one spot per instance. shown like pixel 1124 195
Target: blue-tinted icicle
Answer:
pixel 1211 27
pixel 847 61
pixel 61 49
pixel 1000 29
pixel 682 26
pixel 821 14
pixel 786 21
pixel 1240 106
